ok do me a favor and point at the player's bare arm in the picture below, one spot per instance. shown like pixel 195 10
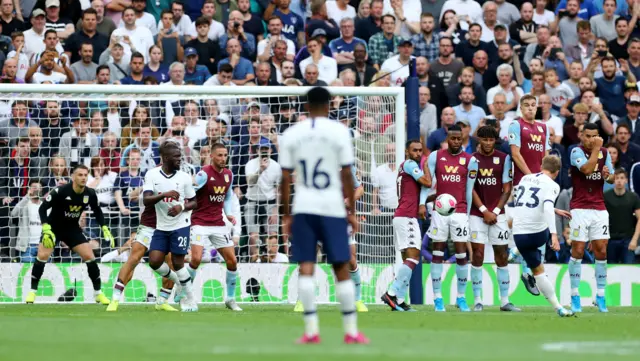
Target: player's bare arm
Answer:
pixel 349 192
pixel 518 159
pixel 285 196
pixel 488 216
pixel 595 145
pixel 149 199
pixel 189 205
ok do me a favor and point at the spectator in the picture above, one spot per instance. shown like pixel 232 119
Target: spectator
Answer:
pixel 140 118
pixel 632 117
pixel 235 30
pixel 18 55
pixel 252 21
pixel 610 86
pixel 321 36
pixel 57 174
pixel 14 173
pixel 96 124
pixel 9 22
pixel 17 126
pixel 37 155
pixel 113 57
pixel 169 40
pixel 553 122
pixel 467 48
pixel 51 43
pixel 288 71
pixel 63 26
pixel 128 191
pixel 327 66
pixel 196 128
pixel 224 76
pixel 575 73
pixel 556 59
pixel 364 10
pixel 208 54
pixel 340 9
pixel 264 76
pixel 104 25
pixel 364 71
pixel 84 70
pixel 541 15
pixel 603 25
pixel 469 144
pixel 181 21
pixel 53 127
pixel 137 67
pixel 506 86
pixel 273 254
pixel 9 72
pixel 450 27
pixel 343 48
pixel 34 37
pixel 624 211
pixel 242 67
pixel 320 20
pixel 437 137
pixel 149 149
pixel 132 37
pixel 29 225
pixel 142 18
pixel 467 79
pixel 88 33
pixel 384 44
pixel 468 112
pixel 499 113
pixel 110 152
pixel 629 151
pixel 507 12
pixel 571 132
pixel 293 24
pixel 584 45
pixel 195 73
pixel 619 45
pixel 311 76
pixel 567 24
pixel 426 42
pixel 383 178
pixel 597 114
pixel 490 21
pixel 102 181
pixel 559 93
pixel 524 29
pixel 155 69
pixel 79 145
pixel 261 210
pixel 447 68
pixel 537 48
pixel 428 114
pixel 266 47
pixel 216 29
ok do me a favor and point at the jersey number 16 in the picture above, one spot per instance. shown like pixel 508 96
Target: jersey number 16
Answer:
pixel 318 179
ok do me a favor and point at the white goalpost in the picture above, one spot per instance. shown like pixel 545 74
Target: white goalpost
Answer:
pixel 115 130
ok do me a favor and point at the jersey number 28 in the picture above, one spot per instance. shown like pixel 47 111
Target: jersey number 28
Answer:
pixel 528 199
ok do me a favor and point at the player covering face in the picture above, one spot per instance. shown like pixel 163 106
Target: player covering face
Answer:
pixel 487 221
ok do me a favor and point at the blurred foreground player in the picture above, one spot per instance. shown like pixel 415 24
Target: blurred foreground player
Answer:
pixel 321 152
pixel 534 220
pixel 67 203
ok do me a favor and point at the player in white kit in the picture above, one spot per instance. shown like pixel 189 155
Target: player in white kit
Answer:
pixel 321 153
pixel 534 221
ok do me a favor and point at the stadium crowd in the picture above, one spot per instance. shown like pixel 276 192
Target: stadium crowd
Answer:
pixel 474 61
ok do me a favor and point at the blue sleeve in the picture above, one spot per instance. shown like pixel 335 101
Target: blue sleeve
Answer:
pixel 561 5
pixel 424 193
pixel 332 46
pixel 227 199
pixel 250 45
pixel 507 174
pixel 609 163
pixel 124 156
pixel 578 158
pixel 471 180
pixel 356 181
pixel 412 168
pixel 548 138
pixel 431 162
pixel 514 134
pixel 201 180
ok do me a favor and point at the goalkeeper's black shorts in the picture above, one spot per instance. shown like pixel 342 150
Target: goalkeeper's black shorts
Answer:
pixel 71 235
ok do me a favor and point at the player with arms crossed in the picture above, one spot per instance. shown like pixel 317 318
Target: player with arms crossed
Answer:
pixel 529 142
pixel 487 222
pixel 533 219
pixel 321 152
pixel 213 195
pixel 590 168
pixel 413 187
pixel 67 203
pixel 164 187
pixel 455 172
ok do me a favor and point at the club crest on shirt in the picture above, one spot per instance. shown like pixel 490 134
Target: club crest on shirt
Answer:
pixel 600 155
pixel 226 178
pixel 473 174
pixel 496 160
pixel 434 231
pixel 540 129
pixel 463 161
pixel 85 199
pixel 474 235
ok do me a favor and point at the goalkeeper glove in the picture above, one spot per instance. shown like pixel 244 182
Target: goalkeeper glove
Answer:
pixel 106 233
pixel 48 238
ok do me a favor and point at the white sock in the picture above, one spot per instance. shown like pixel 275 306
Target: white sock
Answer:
pixel 346 295
pixel 547 290
pixel 109 256
pixel 95 293
pixel 307 295
pixel 184 280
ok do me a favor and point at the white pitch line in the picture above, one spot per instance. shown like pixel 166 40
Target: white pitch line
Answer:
pixel 620 348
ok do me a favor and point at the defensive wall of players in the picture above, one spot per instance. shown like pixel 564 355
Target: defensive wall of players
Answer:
pixel 277 283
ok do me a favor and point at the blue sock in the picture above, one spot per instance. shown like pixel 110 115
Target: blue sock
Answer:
pixel 601 276
pixel 575 273
pixel 503 284
pixel 231 284
pixel 436 278
pixel 476 283
pixel 357 281
pixel 463 275
pixel 399 285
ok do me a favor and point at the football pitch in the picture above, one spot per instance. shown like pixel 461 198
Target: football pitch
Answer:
pixel 86 332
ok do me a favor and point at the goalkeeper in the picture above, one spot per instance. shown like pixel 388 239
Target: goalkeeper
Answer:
pixel 66 204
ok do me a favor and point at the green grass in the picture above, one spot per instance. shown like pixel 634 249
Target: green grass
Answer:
pixel 86 332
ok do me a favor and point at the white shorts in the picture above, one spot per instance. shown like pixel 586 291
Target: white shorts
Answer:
pixel 589 225
pixel 143 235
pixel 218 237
pixel 495 234
pixel 406 232
pixel 454 227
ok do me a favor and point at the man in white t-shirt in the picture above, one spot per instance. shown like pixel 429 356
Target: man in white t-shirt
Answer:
pixel 383 178
pixel 464 8
pixel 398 65
pixel 407 14
pixel 266 45
pixel 43 71
pixel 327 66
pixel 508 87
pixel 143 18
pixel 216 29
pixel 132 37
pixel 196 128
pixel 339 9
pixel 554 123
pixel 34 37
pixel 181 21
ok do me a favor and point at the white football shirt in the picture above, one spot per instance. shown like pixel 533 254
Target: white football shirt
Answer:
pixel 317 149
pixel 533 191
pixel 157 181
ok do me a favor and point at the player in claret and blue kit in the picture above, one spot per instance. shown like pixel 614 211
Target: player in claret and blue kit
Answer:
pixel 591 166
pixel 213 195
pixel 454 172
pixel 534 221
pixel 413 187
pixel 321 152
pixel 488 222
pixel 165 188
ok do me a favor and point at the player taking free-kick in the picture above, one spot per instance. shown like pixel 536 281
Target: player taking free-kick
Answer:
pixel 321 152
pixel 164 188
pixel 533 219
pixel 487 222
pixel 67 203
pixel 213 195
pixel 413 187
pixel 591 166
pixel 454 172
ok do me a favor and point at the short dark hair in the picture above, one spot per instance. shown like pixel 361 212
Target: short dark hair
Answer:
pixel 137 55
pixel 49 31
pixel 168 145
pixel 623 125
pixel 225 68
pixel 18 102
pixel 411 141
pixel 620 171
pixel 87 44
pixel 89 11
pixel 34 180
pixel 23 140
pixel 215 146
pixel 475 24
pixel 179 3
pixel 454 128
pixel 318 96
pixel 102 67
pixel 79 166
pixel 387 16
pixel 202 21
pixel 166 11
pixel 487 131
pixel 608 58
pixel 622 18
pixel 445 38
pixel 590 126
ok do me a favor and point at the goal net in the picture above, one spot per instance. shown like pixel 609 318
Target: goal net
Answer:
pixel 116 130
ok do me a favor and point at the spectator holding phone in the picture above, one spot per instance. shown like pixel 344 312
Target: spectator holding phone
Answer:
pixel 29 225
